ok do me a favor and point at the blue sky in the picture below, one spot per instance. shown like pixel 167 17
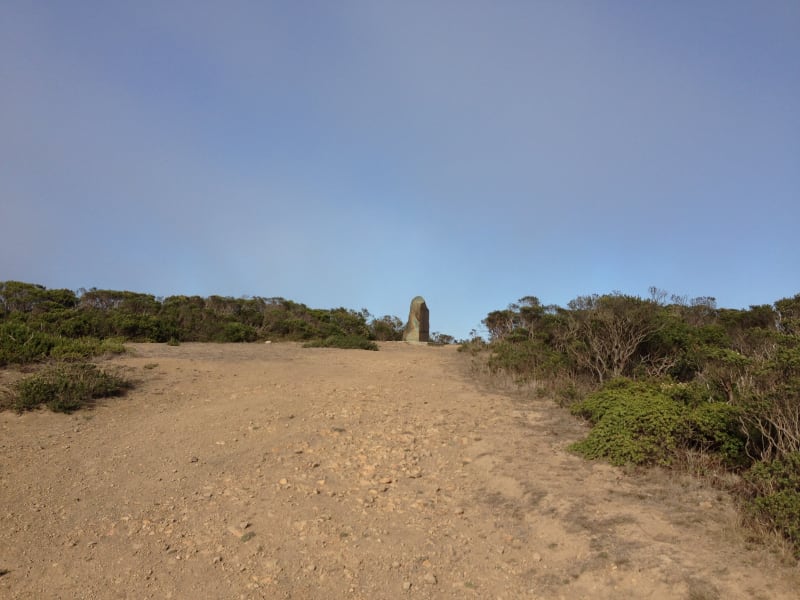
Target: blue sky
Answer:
pixel 359 153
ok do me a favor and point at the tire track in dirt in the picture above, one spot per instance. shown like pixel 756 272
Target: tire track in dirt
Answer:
pixel 273 471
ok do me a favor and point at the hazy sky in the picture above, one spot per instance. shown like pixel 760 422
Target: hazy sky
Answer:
pixel 359 153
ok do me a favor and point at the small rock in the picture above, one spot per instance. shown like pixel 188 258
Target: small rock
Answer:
pixel 459 511
pixel 395 565
pixel 283 481
pixel 216 559
pixel 430 578
pixel 244 524
pixel 236 532
pixel 406 585
pixel 537 557
pixel 194 459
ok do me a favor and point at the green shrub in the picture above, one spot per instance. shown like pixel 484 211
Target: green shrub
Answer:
pixel 596 405
pixel 21 344
pixel 474 346
pixel 635 423
pixel 386 329
pixel 342 341
pixel 524 358
pixel 86 347
pixel 567 394
pixel 775 495
pixel 691 394
pixel 236 332
pixel 715 426
pixel 66 387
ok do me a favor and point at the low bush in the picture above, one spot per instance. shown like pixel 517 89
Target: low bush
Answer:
pixel 21 344
pixel 347 342
pixel 81 349
pixel 236 332
pixel 66 387
pixel 525 359
pixel 716 427
pixel 774 495
pixel 474 346
pixel 635 423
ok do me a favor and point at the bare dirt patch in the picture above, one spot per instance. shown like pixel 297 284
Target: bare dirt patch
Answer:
pixel 273 471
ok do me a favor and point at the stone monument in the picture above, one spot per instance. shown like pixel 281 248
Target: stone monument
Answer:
pixel 418 328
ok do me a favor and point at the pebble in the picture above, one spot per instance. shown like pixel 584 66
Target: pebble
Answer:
pixel 459 511
pixel 430 578
pixel 406 585
pixel 237 532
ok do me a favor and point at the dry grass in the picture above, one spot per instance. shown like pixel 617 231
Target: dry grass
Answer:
pixel 696 480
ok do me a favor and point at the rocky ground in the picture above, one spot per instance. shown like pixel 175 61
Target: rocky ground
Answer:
pixel 273 471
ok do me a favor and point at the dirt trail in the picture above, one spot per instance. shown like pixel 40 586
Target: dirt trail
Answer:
pixel 273 471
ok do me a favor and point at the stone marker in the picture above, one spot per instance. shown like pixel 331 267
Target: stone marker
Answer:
pixel 418 328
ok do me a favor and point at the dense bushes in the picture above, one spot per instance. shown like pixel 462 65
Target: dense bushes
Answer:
pixel 63 330
pixel 647 422
pixel 774 495
pixel 35 321
pixel 526 359
pixel 634 422
pixel 66 387
pixel 663 378
pixel 21 344
pixel 715 427
pixel 351 342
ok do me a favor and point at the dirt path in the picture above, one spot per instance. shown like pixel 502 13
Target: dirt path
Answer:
pixel 273 471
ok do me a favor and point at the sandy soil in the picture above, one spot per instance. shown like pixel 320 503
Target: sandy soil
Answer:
pixel 273 471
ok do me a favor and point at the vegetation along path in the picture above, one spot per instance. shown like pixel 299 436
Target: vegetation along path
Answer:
pixel 274 471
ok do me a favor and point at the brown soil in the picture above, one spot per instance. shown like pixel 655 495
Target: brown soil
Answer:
pixel 273 471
